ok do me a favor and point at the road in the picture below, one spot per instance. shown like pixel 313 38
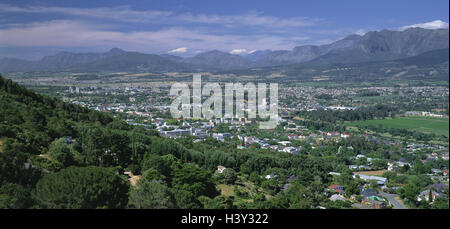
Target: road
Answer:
pixel 392 200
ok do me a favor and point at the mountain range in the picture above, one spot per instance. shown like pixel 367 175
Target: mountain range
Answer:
pixel 382 45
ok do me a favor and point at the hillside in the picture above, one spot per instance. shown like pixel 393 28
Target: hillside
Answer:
pixel 59 61
pixel 133 61
pixel 219 60
pixel 60 155
pixel 428 58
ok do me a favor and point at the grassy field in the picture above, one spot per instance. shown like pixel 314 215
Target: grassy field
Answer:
pixel 226 190
pixel 422 124
pixel 372 173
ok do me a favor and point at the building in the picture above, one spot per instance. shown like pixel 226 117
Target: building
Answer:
pixel 368 192
pixel 271 176
pixel 292 137
pixel 291 150
pixel 337 197
pixel 177 132
pixel 425 195
pixel 375 202
pixel 380 180
pixel 337 188
pixel 345 135
pixel 333 134
pixel 220 169
pixel 285 143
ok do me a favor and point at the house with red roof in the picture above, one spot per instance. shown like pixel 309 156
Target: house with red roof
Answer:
pixel 337 188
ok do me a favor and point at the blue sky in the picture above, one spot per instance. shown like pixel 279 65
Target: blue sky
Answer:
pixel 32 29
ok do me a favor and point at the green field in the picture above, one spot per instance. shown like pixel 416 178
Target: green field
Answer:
pixel 422 124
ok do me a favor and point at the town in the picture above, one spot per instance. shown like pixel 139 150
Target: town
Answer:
pixel 376 176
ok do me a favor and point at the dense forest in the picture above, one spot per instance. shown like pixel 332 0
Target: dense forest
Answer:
pixel 59 155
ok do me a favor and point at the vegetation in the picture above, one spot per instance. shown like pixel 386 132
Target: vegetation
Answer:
pixel 438 126
pixel 82 187
pixel 75 158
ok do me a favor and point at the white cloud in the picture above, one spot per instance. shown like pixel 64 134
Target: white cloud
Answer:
pixel 254 50
pixel 178 50
pixel 163 30
pixel 250 19
pixel 67 33
pixel 125 13
pixel 238 51
pixel 121 13
pixel 437 24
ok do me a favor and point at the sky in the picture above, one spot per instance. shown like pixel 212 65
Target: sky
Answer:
pixel 32 29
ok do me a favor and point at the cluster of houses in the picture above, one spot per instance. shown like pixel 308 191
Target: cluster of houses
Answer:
pixel 205 129
pixel 397 165
pixel 425 114
pixel 370 197
pixel 434 191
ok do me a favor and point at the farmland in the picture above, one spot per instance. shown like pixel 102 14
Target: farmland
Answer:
pixel 422 124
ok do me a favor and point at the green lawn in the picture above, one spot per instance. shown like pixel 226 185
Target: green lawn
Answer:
pixel 422 124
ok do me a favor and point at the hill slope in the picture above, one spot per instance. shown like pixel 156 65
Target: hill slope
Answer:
pixel 219 60
pixel 133 61
pixel 59 61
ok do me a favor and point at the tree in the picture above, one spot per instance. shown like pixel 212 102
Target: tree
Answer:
pixel 440 203
pixel 299 197
pixel 254 177
pixel 352 188
pixel 153 161
pixel 185 199
pixel 380 163
pixel 229 175
pixel 410 192
pixel 60 151
pixel 82 188
pixel 195 180
pixel 219 202
pixel 150 194
pixel 14 196
pixel 373 184
pixel 153 175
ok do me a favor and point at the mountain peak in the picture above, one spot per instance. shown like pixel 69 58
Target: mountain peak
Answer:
pixel 116 51
pixel 352 37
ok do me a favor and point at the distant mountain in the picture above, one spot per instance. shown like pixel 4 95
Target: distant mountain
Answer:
pixel 172 57
pixel 219 60
pixel 65 59
pixel 307 52
pixel 18 65
pixel 389 45
pixel 134 61
pixel 428 58
pixel 382 45
pixel 113 60
pixel 258 55
pixel 59 61
pixel 373 46
pixel 410 42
